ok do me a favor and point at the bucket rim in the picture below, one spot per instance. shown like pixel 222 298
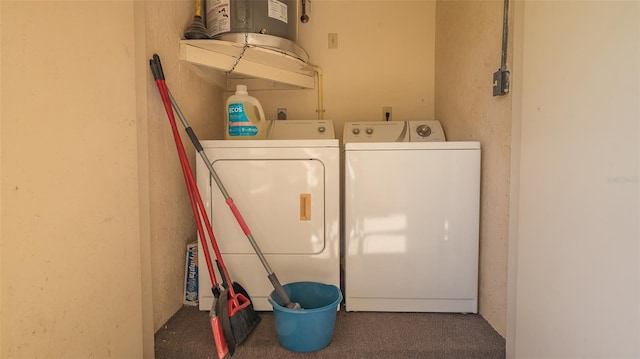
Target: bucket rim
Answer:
pixel 336 302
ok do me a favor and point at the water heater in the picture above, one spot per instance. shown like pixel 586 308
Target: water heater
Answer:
pixel 271 17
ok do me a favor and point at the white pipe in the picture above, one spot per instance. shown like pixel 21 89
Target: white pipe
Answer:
pixel 320 109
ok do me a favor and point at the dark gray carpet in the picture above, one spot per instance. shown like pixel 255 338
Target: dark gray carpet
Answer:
pixel 356 335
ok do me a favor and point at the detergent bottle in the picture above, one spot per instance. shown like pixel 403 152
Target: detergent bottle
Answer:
pixel 245 117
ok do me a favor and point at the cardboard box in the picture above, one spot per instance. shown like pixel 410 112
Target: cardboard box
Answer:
pixel 191 275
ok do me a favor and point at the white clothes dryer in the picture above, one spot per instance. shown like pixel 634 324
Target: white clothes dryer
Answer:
pixel 287 191
pixel 411 218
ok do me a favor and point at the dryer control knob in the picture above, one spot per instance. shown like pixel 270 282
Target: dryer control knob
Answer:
pixel 321 129
pixel 355 131
pixel 423 131
pixel 369 130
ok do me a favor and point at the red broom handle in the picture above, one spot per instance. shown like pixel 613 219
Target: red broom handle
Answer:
pixel 167 105
pixel 237 301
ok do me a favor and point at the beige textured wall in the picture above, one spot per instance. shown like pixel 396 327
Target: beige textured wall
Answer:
pixel 385 57
pixel 96 152
pixel 171 220
pixel 1 181
pixel 69 188
pixel 575 245
pixel 468 49
pixel 94 211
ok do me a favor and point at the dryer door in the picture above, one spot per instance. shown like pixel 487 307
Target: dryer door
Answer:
pixel 281 200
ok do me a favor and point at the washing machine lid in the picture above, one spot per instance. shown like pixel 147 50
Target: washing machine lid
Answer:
pixel 375 131
pixel 300 130
pixel 388 146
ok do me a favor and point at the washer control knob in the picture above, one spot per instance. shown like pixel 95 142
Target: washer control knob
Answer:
pixel 423 131
pixel 321 129
pixel 355 131
pixel 369 130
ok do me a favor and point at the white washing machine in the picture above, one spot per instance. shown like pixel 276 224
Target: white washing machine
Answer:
pixel 287 191
pixel 411 218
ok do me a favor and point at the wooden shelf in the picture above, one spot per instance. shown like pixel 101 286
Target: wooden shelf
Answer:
pixel 264 68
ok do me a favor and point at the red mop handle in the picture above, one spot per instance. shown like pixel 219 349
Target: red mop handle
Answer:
pixel 236 213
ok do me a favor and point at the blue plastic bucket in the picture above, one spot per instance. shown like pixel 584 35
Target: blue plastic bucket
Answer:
pixel 311 328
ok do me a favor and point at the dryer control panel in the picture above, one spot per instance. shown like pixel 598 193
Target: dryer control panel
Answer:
pixel 300 130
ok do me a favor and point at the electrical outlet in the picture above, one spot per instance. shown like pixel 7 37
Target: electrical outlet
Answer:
pixel 386 113
pixel 333 40
pixel 282 113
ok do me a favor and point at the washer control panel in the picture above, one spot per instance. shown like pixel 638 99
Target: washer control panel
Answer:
pixel 393 131
pixel 426 131
pixel 375 131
